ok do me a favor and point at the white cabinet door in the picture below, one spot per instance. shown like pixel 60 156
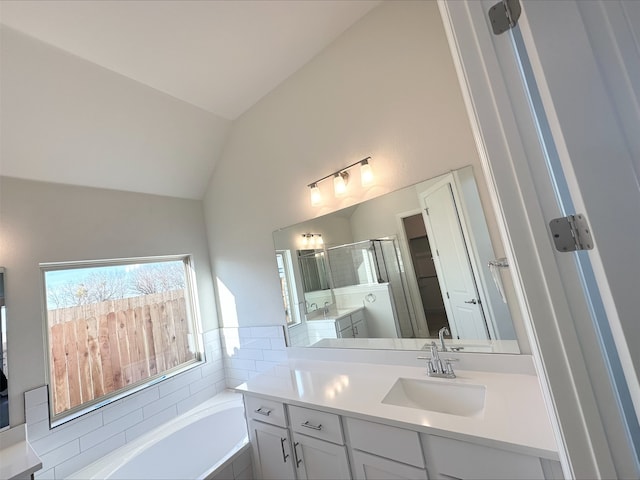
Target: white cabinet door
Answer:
pixel 317 459
pixel 372 467
pixel 346 333
pixel 448 458
pixel 272 451
pixel 360 330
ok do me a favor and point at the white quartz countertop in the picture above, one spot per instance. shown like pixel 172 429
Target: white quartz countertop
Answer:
pixel 514 416
pixel 332 315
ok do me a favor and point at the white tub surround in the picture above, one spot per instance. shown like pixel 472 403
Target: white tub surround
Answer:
pixel 18 460
pixel 208 442
pixel 513 421
pixel 69 447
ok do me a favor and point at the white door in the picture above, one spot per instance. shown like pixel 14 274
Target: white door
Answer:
pixel 554 104
pixel 451 258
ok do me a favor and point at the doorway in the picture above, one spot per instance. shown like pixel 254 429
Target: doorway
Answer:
pixel 425 272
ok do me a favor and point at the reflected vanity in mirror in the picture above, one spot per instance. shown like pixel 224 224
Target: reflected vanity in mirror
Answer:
pixel 4 397
pixel 396 270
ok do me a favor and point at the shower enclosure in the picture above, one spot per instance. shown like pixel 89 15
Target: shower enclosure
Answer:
pixel 370 262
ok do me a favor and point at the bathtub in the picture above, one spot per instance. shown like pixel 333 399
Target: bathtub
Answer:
pixel 207 442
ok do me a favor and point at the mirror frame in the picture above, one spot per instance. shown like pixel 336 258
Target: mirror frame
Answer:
pixel 4 396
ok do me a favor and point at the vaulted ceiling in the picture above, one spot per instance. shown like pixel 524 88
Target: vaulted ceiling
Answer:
pixel 221 56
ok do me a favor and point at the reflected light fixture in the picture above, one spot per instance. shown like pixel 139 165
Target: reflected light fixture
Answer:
pixel 312 240
pixel 341 179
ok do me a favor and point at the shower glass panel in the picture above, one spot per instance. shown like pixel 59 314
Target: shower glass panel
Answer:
pixel 375 261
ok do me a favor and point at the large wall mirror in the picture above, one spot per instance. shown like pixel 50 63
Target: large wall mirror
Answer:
pixel 398 272
pixel 4 396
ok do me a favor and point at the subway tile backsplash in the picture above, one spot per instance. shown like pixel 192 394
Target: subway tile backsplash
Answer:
pixel 248 351
pixel 232 355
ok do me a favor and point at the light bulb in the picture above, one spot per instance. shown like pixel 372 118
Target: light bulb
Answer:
pixel 366 174
pixel 319 240
pixel 305 240
pixel 316 198
pixel 340 183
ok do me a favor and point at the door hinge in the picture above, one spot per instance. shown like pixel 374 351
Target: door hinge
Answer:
pixel 571 233
pixel 504 15
pixel 426 210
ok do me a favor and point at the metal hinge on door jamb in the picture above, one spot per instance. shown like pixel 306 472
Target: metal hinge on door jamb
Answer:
pixel 571 233
pixel 504 15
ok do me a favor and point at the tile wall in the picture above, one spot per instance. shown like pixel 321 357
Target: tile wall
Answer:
pixel 77 443
pixel 249 351
pixel 299 334
pixel 233 355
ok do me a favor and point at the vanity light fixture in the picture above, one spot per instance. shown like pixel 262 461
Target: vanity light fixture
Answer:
pixel 316 198
pixel 366 174
pixel 312 240
pixel 341 179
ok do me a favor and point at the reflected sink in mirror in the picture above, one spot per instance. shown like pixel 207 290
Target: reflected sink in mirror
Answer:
pixel 450 398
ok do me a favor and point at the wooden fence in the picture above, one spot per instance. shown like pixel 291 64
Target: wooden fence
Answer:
pixel 101 348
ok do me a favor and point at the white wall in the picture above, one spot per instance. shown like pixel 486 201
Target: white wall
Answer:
pixel 386 88
pixel 90 126
pixel 44 222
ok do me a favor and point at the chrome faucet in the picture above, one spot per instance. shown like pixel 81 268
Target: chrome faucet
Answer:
pixel 311 306
pixel 326 308
pixel 441 333
pixel 437 367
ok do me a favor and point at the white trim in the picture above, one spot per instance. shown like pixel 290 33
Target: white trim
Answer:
pixel 509 152
pixel 623 179
pixel 417 310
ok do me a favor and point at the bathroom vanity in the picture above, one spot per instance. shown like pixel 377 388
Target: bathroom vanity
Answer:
pixel 311 419
pixel 348 323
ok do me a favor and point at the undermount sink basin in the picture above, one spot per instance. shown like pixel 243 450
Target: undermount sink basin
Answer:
pixel 451 398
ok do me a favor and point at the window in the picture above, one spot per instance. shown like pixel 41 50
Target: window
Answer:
pixel 114 326
pixel 283 259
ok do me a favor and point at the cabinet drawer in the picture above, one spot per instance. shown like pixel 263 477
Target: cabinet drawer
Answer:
pixel 314 423
pixel 386 441
pixel 269 411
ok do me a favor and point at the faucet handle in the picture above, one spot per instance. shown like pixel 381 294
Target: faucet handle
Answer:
pixel 431 368
pixel 448 368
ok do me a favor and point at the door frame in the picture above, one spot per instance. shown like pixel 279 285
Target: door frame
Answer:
pixel 513 163
pixel 418 316
pixel 430 187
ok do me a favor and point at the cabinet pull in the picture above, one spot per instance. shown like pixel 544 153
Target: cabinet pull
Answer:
pixel 263 411
pixel 295 454
pixel 284 455
pixel 312 426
